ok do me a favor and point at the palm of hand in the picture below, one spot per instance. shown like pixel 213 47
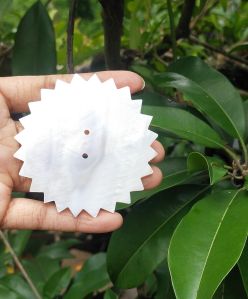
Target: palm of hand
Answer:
pixel 23 213
pixel 9 166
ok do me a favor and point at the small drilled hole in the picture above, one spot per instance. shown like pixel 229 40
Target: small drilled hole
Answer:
pixel 86 132
pixel 85 156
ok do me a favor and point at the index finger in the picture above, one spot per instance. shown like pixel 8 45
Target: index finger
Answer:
pixel 24 213
pixel 20 90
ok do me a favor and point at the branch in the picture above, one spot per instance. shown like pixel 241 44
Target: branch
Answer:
pixel 113 12
pixel 19 265
pixel 70 36
pixel 183 27
pixel 217 50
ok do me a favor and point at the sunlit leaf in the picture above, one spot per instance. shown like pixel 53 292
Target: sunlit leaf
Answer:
pixel 208 243
pixel 209 91
pixel 215 166
pixel 183 124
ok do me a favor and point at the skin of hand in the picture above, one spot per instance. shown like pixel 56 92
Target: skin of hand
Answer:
pixel 24 213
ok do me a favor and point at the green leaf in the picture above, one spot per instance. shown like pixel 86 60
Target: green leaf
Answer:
pixel 110 294
pixel 147 73
pixel 209 91
pixel 197 161
pixel 19 240
pixel 57 283
pixel 17 285
pixel 6 293
pixel 175 172
pixel 208 243
pixel 239 47
pixel 150 97
pixel 91 278
pixel 40 269
pixel 243 267
pixel 58 250
pixel 144 246
pixel 183 124
pixel 245 104
pixel 163 281
pixel 4 7
pixel 34 51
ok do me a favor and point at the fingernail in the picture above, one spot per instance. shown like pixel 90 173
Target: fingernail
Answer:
pixel 144 84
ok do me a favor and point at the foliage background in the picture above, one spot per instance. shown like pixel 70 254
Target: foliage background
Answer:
pixel 63 265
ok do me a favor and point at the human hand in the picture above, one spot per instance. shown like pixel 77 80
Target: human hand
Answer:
pixel 24 213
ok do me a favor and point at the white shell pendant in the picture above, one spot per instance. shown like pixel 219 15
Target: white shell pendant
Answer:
pixel 86 145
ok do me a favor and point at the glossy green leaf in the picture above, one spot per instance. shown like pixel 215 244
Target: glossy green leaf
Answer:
pixel 91 278
pixel 153 98
pixel 209 91
pixel 144 246
pixel 197 161
pixel 175 172
pixel 183 124
pixel 246 183
pixel 34 51
pixel 147 73
pixel 57 283
pixel 208 243
pixel 243 267
pixel 245 104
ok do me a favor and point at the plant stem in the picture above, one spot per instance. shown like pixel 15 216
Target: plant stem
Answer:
pixel 172 29
pixel 244 150
pixel 19 265
pixel 234 157
pixel 70 36
pixel 227 167
pixel 228 176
